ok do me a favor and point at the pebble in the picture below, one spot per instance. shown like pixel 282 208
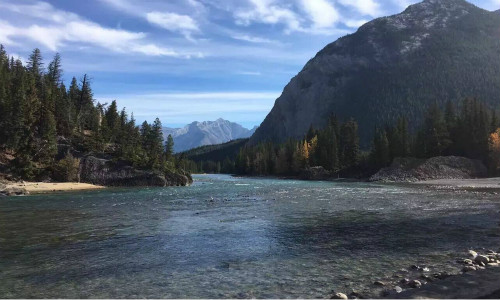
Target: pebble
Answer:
pixel 467 261
pixel 427 278
pixel 405 281
pixel 339 296
pixel 379 283
pixel 398 289
pixel 472 253
pixel 482 259
pixel 415 284
pixel 491 264
pixel 469 269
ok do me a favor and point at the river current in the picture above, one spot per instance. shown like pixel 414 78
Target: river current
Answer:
pixel 227 237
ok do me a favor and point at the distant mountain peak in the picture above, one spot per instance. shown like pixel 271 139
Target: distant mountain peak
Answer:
pixel 206 133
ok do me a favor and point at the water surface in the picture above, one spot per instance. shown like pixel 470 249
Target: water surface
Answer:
pixel 229 237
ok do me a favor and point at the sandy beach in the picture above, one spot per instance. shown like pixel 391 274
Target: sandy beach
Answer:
pixel 50 187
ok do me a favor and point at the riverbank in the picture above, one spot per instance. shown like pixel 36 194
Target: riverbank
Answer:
pixel 483 183
pixel 24 188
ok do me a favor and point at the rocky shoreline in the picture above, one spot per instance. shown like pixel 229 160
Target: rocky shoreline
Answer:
pixel 95 173
pixel 477 276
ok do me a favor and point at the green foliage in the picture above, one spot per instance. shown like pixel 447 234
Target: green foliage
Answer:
pixel 36 110
pixel 66 170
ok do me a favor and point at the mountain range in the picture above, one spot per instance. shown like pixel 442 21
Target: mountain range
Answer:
pixel 206 133
pixel 392 67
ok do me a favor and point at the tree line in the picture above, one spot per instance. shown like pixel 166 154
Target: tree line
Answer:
pixel 40 117
pixel 469 129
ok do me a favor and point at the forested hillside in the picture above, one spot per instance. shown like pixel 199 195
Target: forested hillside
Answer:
pixel 394 67
pixel 46 126
pixel 469 129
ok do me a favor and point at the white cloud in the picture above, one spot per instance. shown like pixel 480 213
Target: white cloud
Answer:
pixel 249 73
pixel 64 28
pixel 173 22
pixel 366 7
pixel 268 12
pixel 321 12
pixel 253 39
pixel 354 23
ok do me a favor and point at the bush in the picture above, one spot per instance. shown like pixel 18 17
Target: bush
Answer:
pixel 66 170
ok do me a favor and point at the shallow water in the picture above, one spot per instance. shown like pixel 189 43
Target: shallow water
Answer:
pixel 229 237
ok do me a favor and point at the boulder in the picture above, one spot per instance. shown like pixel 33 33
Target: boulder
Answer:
pixel 481 259
pixel 472 253
pixel 339 296
pixel 109 173
pixel 469 269
pixel 443 167
pixel 415 284
pixel 12 191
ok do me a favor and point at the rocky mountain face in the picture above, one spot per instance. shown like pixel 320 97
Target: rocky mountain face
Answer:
pixel 435 51
pixel 206 133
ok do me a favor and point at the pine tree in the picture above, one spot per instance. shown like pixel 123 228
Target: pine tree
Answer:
pixel 169 148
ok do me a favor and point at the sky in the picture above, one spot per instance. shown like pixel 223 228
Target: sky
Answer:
pixel 187 60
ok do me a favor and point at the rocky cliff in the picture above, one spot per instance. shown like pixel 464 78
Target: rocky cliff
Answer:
pixel 105 172
pixel 449 167
pixel 434 51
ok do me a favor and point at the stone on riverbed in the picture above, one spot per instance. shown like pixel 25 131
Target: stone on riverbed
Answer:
pixel 339 296
pixel 415 284
pixel 472 253
pixel 469 269
pixel 481 259
pixel 379 283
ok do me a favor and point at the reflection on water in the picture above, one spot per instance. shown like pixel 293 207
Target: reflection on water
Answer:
pixel 233 237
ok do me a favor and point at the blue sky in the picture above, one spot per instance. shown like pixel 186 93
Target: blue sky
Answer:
pixel 187 60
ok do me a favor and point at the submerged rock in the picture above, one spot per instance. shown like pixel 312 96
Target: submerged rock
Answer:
pixel 379 283
pixel 469 269
pixel 415 284
pixel 482 260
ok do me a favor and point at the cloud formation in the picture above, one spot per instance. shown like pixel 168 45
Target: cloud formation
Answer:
pixel 56 28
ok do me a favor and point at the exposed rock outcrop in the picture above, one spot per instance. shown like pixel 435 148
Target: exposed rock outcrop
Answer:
pixel 108 173
pixel 449 167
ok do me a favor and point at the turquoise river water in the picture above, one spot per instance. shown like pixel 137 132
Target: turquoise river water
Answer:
pixel 228 237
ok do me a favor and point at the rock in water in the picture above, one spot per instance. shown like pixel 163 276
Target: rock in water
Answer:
pixel 472 253
pixel 481 259
pixel 379 283
pixel 339 296
pixel 469 269
pixel 415 284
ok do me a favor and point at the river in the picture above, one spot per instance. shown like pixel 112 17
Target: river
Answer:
pixel 227 237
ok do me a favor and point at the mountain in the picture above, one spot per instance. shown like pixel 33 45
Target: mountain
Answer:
pixel 205 133
pixel 435 51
